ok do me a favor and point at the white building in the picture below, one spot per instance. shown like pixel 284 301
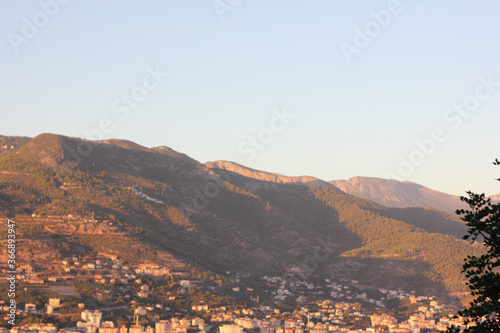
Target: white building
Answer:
pixel 55 302
pixel 163 326
pixel 230 329
pixel 92 317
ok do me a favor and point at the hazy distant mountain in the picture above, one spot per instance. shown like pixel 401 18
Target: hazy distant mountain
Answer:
pixel 393 193
pixel 495 197
pixel 221 216
pixel 390 193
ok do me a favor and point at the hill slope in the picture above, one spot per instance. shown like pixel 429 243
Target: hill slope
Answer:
pixel 367 235
pixel 10 143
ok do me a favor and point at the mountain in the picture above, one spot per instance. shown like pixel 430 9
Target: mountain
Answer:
pixel 157 194
pixel 393 193
pixel 377 244
pixel 495 197
pixel 428 217
pixel 390 193
pixel 158 204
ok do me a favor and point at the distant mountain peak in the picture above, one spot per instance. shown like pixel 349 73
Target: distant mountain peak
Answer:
pixel 164 150
pixel 393 193
pixel 125 144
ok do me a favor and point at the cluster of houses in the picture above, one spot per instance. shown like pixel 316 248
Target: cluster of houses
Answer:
pixel 117 271
pixel 329 317
pixel 92 324
pixel 285 288
pixel 424 320
pixel 32 328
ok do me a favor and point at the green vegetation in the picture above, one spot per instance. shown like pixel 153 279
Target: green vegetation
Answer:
pixel 428 219
pixel 386 237
pixel 128 248
pixel 482 271
pixel 6 142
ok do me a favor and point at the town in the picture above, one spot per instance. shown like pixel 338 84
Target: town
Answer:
pixel 109 295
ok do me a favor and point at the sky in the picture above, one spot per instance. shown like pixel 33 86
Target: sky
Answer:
pixel 408 90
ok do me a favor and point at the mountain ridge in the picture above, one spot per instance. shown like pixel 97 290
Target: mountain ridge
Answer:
pixel 387 192
pixel 393 193
pixel 223 220
pixel 265 175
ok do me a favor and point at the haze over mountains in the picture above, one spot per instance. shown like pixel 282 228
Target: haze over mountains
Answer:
pixel 223 216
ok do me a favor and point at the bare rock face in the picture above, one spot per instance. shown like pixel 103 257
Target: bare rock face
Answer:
pixel 265 176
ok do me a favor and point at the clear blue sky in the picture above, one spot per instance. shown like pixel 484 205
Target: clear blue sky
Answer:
pixel 227 77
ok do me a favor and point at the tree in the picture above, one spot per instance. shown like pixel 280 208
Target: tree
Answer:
pixel 483 272
pixel 356 307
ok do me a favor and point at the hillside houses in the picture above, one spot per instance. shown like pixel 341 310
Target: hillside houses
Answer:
pixel 340 306
pixel 331 317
